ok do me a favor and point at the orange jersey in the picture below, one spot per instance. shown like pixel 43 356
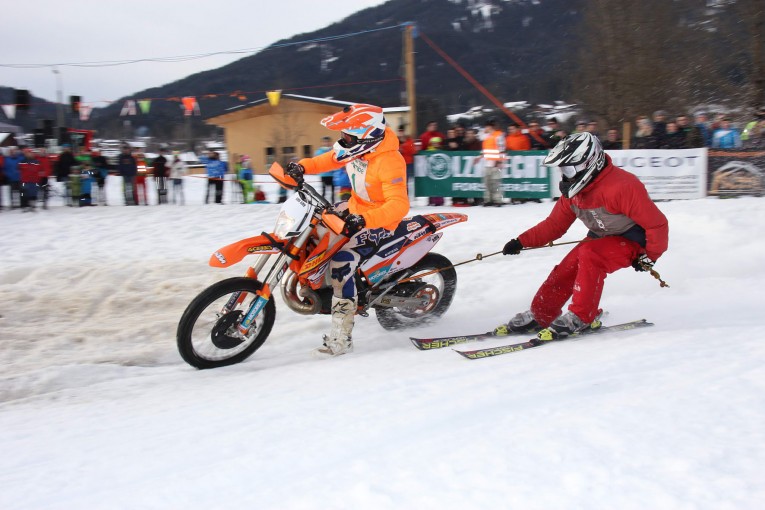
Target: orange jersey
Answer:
pixel 518 142
pixel 378 180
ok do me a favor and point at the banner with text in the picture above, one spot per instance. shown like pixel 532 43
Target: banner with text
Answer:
pixel 668 174
pixel 460 174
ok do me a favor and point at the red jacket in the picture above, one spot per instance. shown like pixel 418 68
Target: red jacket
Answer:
pixel 29 170
pixel 616 203
pixel 408 150
pixel 427 135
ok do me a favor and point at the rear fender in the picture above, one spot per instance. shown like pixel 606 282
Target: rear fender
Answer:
pixel 234 253
pixel 443 220
pixel 376 269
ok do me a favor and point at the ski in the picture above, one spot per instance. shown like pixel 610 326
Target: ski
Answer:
pixel 535 342
pixel 426 344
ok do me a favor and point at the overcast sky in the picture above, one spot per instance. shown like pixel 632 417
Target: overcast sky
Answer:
pixel 59 31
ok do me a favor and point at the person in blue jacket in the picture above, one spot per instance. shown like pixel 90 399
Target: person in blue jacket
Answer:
pixel 342 184
pixel 216 173
pixel 725 136
pixel 12 175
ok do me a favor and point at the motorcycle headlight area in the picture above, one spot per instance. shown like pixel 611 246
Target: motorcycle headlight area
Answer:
pixel 293 217
pixel 284 225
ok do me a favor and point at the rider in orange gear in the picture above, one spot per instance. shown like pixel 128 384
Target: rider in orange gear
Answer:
pixel 369 150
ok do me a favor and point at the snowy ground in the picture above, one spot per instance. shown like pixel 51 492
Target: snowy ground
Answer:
pixel 97 410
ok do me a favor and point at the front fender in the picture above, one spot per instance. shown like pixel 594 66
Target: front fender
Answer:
pixel 234 253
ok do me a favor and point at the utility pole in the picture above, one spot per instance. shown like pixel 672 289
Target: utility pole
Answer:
pixel 409 34
pixel 59 99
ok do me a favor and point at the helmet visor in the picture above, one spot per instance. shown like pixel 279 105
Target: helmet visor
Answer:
pixel 347 141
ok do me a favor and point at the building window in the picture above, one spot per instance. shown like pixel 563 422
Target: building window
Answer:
pixel 307 151
pixel 270 155
pixel 288 153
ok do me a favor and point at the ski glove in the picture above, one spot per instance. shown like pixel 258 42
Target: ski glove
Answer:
pixel 643 263
pixel 353 223
pixel 296 171
pixel 513 247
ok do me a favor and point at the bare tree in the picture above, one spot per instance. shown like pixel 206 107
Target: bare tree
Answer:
pixel 625 60
pixel 752 16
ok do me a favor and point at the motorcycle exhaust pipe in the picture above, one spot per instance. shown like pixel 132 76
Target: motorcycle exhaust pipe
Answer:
pixel 306 303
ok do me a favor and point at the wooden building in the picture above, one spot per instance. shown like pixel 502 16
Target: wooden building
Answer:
pixel 283 127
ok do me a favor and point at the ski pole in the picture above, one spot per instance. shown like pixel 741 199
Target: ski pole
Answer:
pixel 654 273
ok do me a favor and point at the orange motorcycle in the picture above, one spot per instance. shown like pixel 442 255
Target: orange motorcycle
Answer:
pixel 402 280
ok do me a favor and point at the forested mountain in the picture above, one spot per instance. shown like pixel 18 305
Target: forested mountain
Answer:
pixel 531 50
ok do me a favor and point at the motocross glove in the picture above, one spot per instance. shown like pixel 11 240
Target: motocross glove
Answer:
pixel 353 223
pixel 643 263
pixel 513 247
pixel 296 171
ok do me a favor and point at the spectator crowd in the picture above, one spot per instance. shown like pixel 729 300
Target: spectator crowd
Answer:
pixel 27 172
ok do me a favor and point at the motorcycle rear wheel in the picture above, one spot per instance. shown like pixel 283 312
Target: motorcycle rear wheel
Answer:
pixel 208 338
pixel 438 287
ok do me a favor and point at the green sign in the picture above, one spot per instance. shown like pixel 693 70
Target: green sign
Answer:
pixel 460 174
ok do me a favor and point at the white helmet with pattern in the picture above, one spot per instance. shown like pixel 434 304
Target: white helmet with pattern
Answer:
pixel 580 158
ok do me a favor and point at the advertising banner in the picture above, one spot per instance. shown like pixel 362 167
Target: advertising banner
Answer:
pixel 668 174
pixel 736 172
pixel 460 174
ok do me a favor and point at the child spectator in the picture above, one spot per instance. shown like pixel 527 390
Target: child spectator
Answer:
pixel 245 179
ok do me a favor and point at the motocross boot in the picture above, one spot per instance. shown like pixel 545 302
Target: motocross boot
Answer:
pixel 339 339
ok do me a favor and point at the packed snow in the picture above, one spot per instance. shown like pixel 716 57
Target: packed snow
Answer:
pixel 97 409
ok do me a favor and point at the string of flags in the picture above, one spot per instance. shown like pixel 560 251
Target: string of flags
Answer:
pixel 189 104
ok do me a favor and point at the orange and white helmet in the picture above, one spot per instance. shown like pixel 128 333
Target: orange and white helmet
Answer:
pixel 362 128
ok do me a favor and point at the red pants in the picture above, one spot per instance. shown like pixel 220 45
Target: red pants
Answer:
pixel 581 274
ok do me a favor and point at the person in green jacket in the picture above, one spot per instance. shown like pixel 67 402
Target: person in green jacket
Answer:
pixel 244 175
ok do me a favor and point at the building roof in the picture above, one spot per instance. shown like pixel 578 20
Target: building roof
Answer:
pixel 10 128
pixel 296 97
pixel 231 113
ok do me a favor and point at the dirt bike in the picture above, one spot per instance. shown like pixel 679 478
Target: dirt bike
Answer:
pixel 402 280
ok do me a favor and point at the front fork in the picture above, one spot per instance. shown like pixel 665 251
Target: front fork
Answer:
pixel 275 274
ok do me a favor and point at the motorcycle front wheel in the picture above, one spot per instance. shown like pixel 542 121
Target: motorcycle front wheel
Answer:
pixel 436 292
pixel 207 333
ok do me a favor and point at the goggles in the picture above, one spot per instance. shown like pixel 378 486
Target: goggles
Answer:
pixel 570 171
pixel 348 141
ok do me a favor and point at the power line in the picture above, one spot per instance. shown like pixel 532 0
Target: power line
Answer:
pixel 185 58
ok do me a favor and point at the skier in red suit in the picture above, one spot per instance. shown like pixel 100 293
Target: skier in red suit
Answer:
pixel 625 229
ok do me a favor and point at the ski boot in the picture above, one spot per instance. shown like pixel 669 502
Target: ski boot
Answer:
pixel 339 339
pixel 523 322
pixel 568 324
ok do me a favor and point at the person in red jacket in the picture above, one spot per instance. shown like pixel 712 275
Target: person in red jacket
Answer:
pixel 431 131
pixel 407 149
pixel 625 229
pixel 379 201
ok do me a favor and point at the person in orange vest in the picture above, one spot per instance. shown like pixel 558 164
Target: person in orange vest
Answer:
pixel 493 154
pixel 379 201
pixel 516 140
